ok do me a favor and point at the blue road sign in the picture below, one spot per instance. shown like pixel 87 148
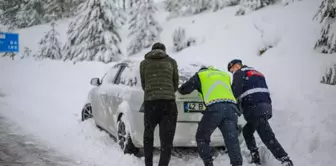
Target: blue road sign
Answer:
pixel 9 42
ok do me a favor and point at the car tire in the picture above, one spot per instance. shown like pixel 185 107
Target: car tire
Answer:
pixel 87 112
pixel 124 139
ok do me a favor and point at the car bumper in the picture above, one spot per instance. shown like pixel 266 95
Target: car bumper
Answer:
pixel 184 136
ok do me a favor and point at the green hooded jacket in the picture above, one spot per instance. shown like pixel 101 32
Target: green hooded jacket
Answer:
pixel 159 76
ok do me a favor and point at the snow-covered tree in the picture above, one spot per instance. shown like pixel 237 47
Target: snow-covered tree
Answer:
pixel 196 6
pixel 3 28
pixel 27 52
pixel 57 9
pixel 286 2
pixel 191 7
pixel 93 36
pixel 326 16
pixel 252 5
pixel 50 46
pixel 220 4
pixel 9 54
pixel 31 13
pixel 180 40
pixel 329 76
pixel 144 29
pixel 9 10
pixel 174 7
pixel 26 13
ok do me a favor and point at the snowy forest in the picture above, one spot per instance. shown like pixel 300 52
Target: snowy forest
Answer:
pixel 94 33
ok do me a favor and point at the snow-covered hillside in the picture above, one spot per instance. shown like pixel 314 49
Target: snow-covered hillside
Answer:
pixel 46 97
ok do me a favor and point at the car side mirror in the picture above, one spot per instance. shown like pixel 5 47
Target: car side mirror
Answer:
pixel 95 82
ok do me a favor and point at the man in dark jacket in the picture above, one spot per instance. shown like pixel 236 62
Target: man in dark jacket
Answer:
pixel 215 88
pixel 159 80
pixel 250 88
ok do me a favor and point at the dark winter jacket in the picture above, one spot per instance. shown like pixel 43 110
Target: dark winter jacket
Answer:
pixel 250 88
pixel 159 76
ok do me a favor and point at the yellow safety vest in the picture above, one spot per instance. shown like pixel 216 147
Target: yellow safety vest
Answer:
pixel 216 86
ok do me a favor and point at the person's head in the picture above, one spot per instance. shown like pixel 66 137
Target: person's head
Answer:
pixel 159 46
pixel 235 65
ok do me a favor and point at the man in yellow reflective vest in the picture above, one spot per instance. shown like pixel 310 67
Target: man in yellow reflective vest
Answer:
pixel 214 86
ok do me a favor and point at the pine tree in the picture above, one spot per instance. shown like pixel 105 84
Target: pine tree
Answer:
pixel 27 52
pixel 191 7
pixel 93 36
pixel 196 6
pixel 3 28
pixel 57 9
pixel 9 10
pixel 9 54
pixel 252 5
pixel 50 47
pixel 181 41
pixel 220 4
pixel 144 29
pixel 32 13
pixel 326 15
pixel 26 13
pixel 248 6
pixel 174 7
pixel 286 2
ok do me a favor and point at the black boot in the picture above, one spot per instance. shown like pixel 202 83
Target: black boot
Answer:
pixel 255 157
pixel 208 164
pixel 286 161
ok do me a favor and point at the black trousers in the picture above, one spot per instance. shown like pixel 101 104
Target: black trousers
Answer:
pixel 266 134
pixel 164 114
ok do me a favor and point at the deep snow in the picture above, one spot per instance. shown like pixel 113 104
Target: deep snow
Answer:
pixel 46 97
pixel 22 149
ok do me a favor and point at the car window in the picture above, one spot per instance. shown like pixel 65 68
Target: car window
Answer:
pixel 110 75
pixel 117 80
pixel 129 77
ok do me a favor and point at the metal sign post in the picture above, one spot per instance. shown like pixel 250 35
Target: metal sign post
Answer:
pixel 9 42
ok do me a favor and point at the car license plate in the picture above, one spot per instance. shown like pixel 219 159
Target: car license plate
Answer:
pixel 194 107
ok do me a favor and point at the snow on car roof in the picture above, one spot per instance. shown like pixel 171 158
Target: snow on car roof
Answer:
pixel 186 69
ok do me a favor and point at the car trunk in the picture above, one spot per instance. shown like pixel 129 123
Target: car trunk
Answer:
pixel 188 118
pixel 189 107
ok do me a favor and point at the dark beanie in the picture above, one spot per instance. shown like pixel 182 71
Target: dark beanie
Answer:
pixel 233 62
pixel 159 46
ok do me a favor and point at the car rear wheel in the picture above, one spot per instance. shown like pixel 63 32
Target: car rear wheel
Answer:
pixel 124 139
pixel 87 112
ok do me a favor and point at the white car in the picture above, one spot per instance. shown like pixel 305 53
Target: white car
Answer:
pixel 115 104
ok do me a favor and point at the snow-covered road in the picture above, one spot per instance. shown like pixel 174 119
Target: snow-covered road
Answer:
pixel 24 150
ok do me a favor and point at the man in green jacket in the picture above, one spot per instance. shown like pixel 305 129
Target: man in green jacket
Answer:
pixel 159 80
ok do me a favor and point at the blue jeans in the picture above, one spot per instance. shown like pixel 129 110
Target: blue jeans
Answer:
pixel 223 116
